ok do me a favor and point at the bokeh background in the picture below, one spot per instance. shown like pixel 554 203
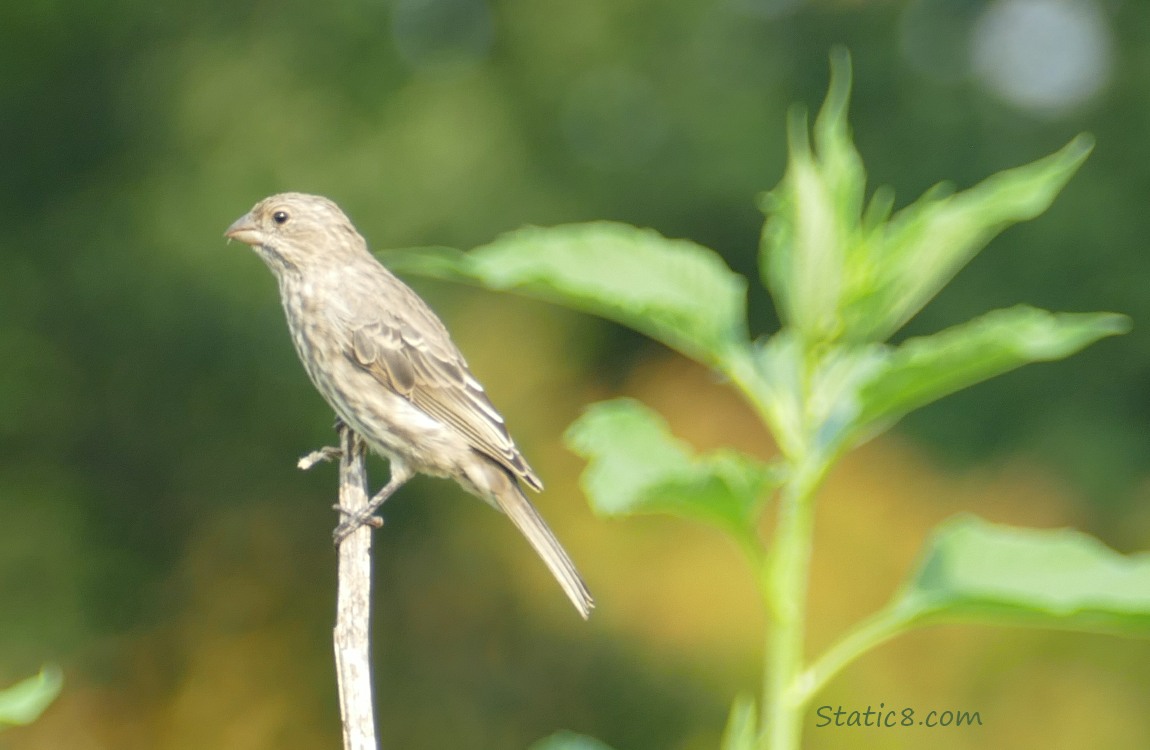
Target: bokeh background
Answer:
pixel 158 543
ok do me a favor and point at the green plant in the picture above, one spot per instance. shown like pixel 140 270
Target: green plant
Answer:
pixel 23 702
pixel 845 274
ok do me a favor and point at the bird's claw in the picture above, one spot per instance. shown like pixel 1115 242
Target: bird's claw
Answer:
pixel 327 453
pixel 353 522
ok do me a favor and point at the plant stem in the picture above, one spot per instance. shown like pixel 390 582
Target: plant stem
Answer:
pixel 785 591
pixel 876 629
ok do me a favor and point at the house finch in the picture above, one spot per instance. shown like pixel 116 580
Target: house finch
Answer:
pixel 387 366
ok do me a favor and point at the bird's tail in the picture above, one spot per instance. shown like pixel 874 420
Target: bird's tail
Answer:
pixel 522 513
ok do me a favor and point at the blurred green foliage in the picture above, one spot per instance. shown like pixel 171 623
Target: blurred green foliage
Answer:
pixel 23 702
pixel 844 278
pixel 152 528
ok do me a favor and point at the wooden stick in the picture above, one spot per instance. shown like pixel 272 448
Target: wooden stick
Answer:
pixel 353 600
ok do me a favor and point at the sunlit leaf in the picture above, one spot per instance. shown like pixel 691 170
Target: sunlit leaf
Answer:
pixel 568 741
pixel 23 702
pixel 635 465
pixel 973 570
pixel 927 368
pixel 445 263
pixel 813 214
pixel 836 271
pixel 675 291
pixel 853 391
pixel 813 406
pixel 924 245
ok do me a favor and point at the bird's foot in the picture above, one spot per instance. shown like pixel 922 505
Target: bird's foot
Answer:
pixel 327 453
pixel 353 522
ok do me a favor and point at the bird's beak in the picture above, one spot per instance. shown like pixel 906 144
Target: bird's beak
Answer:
pixel 245 230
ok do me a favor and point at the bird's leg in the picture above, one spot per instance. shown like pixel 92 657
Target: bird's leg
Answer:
pixel 326 453
pixel 399 477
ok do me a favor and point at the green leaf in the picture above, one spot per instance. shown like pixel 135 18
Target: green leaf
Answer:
pixel 568 741
pixel 813 214
pixel 907 261
pixel 675 291
pixel 26 700
pixel 836 271
pixel 635 465
pixel 741 732
pixel 850 392
pixel 973 570
pixel 925 369
pixel 812 405
pixel 445 263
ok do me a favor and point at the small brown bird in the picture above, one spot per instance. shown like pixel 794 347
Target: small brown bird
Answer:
pixel 387 366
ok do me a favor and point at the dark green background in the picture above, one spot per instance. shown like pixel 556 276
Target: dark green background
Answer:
pixel 151 407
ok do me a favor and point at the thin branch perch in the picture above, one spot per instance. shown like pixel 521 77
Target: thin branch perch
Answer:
pixel 353 600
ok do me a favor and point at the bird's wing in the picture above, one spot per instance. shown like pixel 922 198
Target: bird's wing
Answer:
pixel 412 354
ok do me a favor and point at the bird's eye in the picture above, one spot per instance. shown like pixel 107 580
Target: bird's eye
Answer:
pixel 280 217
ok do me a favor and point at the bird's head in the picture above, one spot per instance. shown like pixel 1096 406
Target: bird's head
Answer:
pixel 294 231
